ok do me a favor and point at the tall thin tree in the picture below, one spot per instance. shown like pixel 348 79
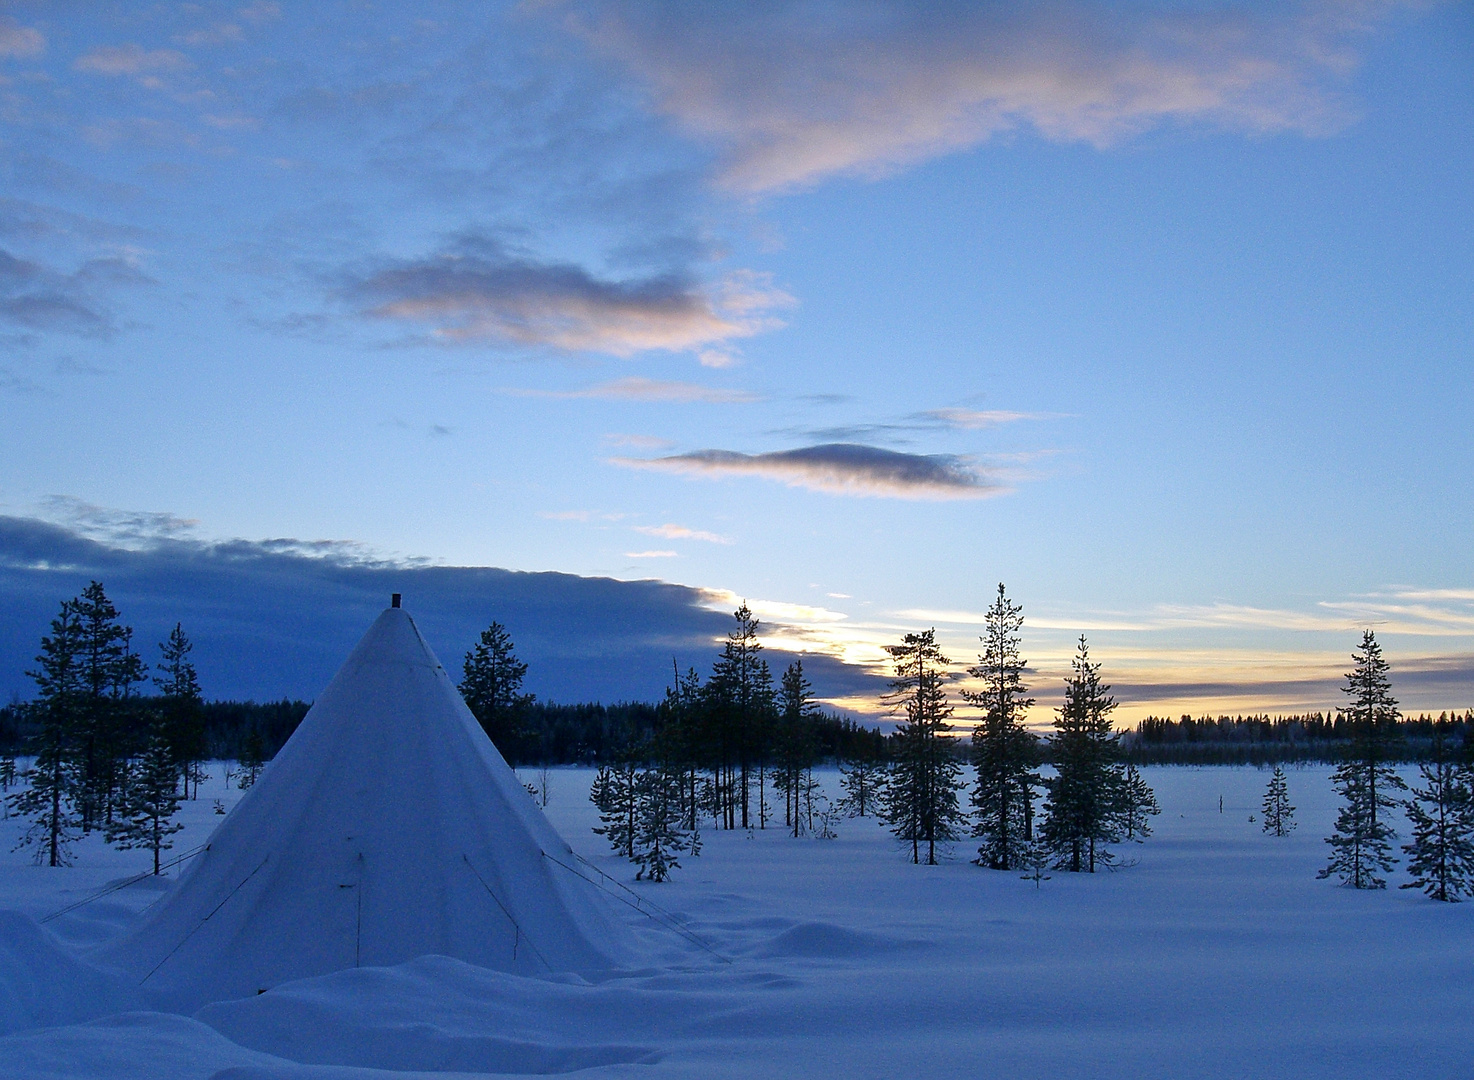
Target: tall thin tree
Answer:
pixel 1441 813
pixel 920 801
pixel 1004 750
pixel 491 683
pixel 48 800
pixel 1361 846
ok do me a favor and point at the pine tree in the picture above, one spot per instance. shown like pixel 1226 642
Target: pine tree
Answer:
pixel 613 792
pixel 1279 815
pixel 253 759
pixel 1004 751
pixel 1135 802
pixel 920 800
pixel 862 777
pixel 146 819
pixel 1362 844
pixel 1441 813
pixel 741 706
pixel 48 800
pixel 491 683
pixel 109 671
pixel 184 714
pixel 796 745
pixel 659 835
pixel 1081 809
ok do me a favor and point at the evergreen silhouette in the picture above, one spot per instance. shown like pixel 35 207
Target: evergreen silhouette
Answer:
pixel 48 800
pixel 920 800
pixel 1441 813
pixel 1279 815
pixel 659 834
pixel 109 669
pixel 613 792
pixel 1361 846
pixel 1135 802
pixel 1080 811
pixel 796 746
pixel 740 700
pixel 491 683
pixel 183 707
pixel 1004 751
pixel 146 818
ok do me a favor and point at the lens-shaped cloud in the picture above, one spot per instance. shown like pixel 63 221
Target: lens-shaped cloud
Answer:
pixel 480 292
pixel 840 469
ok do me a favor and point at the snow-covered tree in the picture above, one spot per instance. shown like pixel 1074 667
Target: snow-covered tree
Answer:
pixel 1135 802
pixel 146 819
pixel 1441 813
pixel 1004 751
pixel 1080 811
pixel 1362 844
pixel 1279 815
pixel 920 800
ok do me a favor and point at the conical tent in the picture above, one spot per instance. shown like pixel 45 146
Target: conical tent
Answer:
pixel 387 828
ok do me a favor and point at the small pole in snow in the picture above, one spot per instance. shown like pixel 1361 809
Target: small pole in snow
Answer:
pixel 393 599
pixel 1220 798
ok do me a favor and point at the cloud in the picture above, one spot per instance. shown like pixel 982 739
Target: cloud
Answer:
pixel 795 92
pixel 839 469
pixel 680 532
pixel 642 442
pixel 132 60
pixel 276 618
pixel 650 555
pixel 639 388
pixel 39 297
pixel 19 41
pixel 975 420
pixel 478 291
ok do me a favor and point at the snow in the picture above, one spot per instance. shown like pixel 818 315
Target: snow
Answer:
pixel 387 828
pixel 1216 954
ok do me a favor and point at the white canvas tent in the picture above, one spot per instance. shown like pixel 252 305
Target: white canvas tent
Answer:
pixel 388 827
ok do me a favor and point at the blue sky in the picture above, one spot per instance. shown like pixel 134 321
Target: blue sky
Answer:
pixel 1159 313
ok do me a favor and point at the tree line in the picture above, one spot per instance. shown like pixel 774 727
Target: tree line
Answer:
pixel 1264 740
pixel 720 745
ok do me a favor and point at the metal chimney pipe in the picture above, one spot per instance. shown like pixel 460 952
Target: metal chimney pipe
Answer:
pixel 394 600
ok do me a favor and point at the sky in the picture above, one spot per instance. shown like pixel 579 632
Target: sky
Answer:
pixel 1157 313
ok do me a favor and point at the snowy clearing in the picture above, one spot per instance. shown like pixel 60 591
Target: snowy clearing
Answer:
pixel 1217 954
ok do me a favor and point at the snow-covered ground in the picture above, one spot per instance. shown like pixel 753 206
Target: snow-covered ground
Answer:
pixel 1216 954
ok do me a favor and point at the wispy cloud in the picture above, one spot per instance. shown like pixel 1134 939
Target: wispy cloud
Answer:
pixel 650 555
pixel 931 420
pixel 976 419
pixel 639 388
pixel 40 297
pixel 839 469
pixel 144 66
pixel 19 41
pixel 639 442
pixel 680 532
pixel 795 92
pixel 479 291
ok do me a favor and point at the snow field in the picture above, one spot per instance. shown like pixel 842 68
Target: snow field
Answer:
pixel 1217 954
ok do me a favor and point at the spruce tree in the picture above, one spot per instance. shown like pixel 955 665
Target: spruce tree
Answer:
pixel 48 800
pixel 1362 844
pixel 491 683
pixel 1135 802
pixel 1279 815
pixel 920 800
pixel 184 714
pixel 1004 751
pixel 253 759
pixel 1080 811
pixel 146 819
pixel 1441 813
